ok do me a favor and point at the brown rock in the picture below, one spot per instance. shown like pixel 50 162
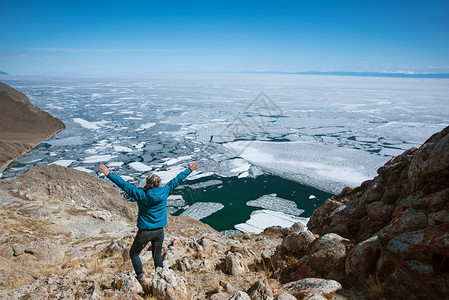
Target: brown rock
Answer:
pixel 66 184
pixel 166 284
pixel 234 264
pixel 361 260
pixel 328 255
pixel 298 242
pixel 305 288
pixel 260 290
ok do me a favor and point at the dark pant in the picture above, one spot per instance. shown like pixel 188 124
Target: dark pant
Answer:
pixel 140 241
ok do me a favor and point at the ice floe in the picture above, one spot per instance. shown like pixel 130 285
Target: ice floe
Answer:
pixel 200 210
pixel 261 219
pixel 233 167
pixel 122 149
pixel 140 145
pixel 326 167
pixel 202 185
pixel 145 126
pixel 69 141
pixel 127 178
pixel 84 169
pixel 175 200
pixel 63 162
pixel 199 175
pixel 273 202
pixel 140 166
pixel 132 118
pixel 89 125
pixel 172 161
pixel 168 175
pixel 98 158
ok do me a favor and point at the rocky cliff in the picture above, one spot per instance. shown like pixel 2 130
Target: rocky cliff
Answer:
pixel 66 235
pixel 22 125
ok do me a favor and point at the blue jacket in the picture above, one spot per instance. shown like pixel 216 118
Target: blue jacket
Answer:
pixel 152 203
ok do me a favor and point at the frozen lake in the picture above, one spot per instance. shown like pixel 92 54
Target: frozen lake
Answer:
pixel 323 132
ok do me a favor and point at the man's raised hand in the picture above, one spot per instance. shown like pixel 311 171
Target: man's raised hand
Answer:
pixel 104 170
pixel 193 166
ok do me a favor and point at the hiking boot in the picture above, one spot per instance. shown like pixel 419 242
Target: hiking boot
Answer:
pixel 145 283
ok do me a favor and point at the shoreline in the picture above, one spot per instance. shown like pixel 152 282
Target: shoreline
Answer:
pixel 9 162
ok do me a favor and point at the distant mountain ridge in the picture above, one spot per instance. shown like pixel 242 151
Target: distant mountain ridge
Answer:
pixel 3 73
pixel 402 74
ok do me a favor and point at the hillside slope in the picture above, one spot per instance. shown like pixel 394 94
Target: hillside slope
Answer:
pixel 22 125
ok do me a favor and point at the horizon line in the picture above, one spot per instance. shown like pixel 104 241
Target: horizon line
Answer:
pixel 396 74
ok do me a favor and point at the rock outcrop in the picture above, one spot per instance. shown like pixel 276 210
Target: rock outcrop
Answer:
pixel 22 125
pixel 395 228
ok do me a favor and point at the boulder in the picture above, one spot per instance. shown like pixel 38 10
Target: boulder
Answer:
pixel 406 220
pixel 234 264
pixel 298 242
pixel 297 227
pixel 428 171
pixel 304 288
pixel 361 260
pixel 379 211
pixel 328 255
pixel 88 290
pixel 127 283
pixel 285 296
pixel 165 284
pixel 50 287
pixel 260 290
pixel 240 296
pixel 43 249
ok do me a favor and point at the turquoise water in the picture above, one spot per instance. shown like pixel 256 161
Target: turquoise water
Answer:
pixel 235 192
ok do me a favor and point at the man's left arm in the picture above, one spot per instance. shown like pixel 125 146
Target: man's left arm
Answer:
pixel 172 184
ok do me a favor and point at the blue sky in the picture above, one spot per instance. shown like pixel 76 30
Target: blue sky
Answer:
pixel 136 37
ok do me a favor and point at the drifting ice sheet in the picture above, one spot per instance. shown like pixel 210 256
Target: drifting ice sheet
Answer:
pixel 200 210
pixel 63 162
pixel 168 175
pixel 84 169
pixel 122 149
pixel 200 175
pixel 325 167
pixel 98 158
pixel 275 203
pixel 261 219
pixel 145 126
pixel 172 161
pixel 87 124
pixel 202 185
pixel 140 166
pixel 176 201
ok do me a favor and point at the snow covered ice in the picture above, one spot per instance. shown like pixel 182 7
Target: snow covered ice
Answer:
pixel 324 131
pixel 200 210
pixel 275 203
pixel 331 168
pixel 262 219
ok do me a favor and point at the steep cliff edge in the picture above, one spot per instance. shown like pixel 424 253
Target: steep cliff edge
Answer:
pixel 395 227
pixel 22 125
